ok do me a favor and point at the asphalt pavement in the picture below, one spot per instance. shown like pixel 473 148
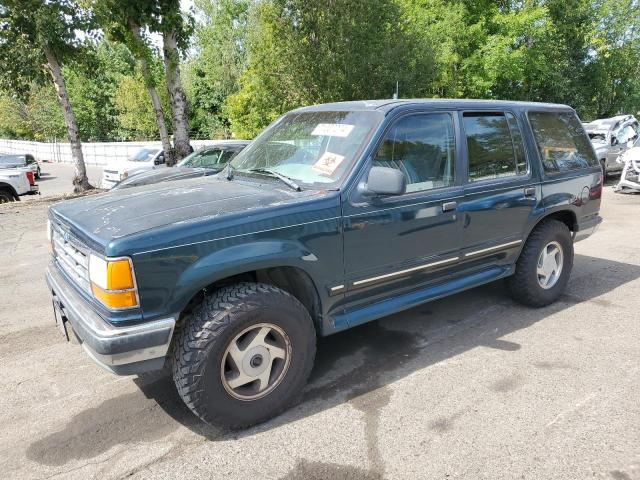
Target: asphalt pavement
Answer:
pixel 473 386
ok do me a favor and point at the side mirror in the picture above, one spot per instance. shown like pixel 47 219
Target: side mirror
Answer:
pixel 159 160
pixel 384 181
pixel 614 140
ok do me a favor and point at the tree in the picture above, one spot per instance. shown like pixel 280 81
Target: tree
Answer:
pixel 309 52
pixel 124 21
pixel 136 115
pixel 36 38
pixel 169 21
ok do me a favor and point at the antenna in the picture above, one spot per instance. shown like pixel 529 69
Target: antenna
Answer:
pixel 396 93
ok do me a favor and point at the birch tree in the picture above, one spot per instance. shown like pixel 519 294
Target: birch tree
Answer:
pixel 175 28
pixel 125 21
pixel 36 38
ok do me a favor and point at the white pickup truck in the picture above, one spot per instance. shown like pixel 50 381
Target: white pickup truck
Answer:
pixel 15 182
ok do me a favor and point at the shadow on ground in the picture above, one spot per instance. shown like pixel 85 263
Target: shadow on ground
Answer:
pixel 46 176
pixel 355 366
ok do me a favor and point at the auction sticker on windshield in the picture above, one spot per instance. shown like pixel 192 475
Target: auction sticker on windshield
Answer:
pixel 333 129
pixel 328 163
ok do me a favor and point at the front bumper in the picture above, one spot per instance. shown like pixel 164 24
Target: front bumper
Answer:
pixel 108 184
pixel 586 228
pixel 121 350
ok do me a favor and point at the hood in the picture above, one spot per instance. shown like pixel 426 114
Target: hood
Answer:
pixel 120 213
pixel 128 166
pixel 163 175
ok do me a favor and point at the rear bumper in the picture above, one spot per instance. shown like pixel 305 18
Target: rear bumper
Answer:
pixel 586 228
pixel 121 350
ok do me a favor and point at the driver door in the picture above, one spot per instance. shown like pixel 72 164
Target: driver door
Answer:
pixel 397 243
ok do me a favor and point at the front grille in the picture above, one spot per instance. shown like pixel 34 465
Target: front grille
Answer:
pixel 72 257
pixel 113 172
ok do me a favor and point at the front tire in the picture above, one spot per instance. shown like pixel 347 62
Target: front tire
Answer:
pixel 544 265
pixel 244 355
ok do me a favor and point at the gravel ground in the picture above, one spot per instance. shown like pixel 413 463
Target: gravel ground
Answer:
pixel 472 386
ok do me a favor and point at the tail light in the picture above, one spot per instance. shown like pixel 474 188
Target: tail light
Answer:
pixel 596 192
pixel 31 179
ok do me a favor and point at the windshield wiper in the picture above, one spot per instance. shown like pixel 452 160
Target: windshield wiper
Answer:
pixel 286 180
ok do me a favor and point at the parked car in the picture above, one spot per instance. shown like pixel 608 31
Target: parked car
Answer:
pixel 611 137
pixel 630 177
pixel 206 161
pixel 334 216
pixel 145 159
pixel 19 161
pixel 15 182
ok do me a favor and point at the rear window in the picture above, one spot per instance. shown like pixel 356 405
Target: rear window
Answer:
pixel 562 142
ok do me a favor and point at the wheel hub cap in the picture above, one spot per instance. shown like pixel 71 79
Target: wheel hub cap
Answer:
pixel 255 361
pixel 550 264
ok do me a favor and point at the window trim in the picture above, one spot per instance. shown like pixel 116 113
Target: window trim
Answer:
pixel 456 155
pixel 527 176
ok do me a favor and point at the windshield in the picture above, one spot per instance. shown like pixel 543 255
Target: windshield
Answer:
pixel 143 155
pixel 13 159
pixel 310 147
pixel 208 158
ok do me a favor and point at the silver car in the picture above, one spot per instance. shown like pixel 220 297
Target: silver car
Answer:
pixel 610 138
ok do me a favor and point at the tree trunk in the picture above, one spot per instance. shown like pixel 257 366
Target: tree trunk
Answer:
pixel 177 97
pixel 169 153
pixel 80 179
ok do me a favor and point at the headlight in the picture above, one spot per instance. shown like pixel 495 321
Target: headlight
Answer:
pixel 113 282
pixel 124 175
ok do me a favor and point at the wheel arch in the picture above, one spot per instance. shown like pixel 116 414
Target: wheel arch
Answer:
pixel 9 187
pixel 290 278
pixel 566 216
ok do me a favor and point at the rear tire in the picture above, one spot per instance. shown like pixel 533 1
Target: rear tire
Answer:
pixel 544 265
pixel 227 329
pixel 6 196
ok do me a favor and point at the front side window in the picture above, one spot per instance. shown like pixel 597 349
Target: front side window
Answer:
pixel 494 145
pixel 312 147
pixel 562 142
pixel 422 147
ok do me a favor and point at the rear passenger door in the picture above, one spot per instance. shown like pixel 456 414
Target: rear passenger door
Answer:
pixel 501 190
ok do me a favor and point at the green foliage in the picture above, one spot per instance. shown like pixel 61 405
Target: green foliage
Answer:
pixel 310 52
pixel 213 74
pixel 30 25
pixel 135 112
pixel 251 60
pixel 93 86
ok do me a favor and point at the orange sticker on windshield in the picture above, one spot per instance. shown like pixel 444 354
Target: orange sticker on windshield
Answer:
pixel 328 163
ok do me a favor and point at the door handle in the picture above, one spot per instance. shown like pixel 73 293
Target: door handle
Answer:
pixel 530 192
pixel 448 206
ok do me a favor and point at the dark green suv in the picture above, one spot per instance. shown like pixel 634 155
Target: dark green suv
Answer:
pixel 335 215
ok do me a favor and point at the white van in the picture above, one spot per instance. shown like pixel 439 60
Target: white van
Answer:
pixel 147 158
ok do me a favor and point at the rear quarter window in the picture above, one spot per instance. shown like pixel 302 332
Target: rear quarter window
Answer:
pixel 562 142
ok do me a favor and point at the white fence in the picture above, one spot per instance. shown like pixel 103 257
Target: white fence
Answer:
pixel 94 153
